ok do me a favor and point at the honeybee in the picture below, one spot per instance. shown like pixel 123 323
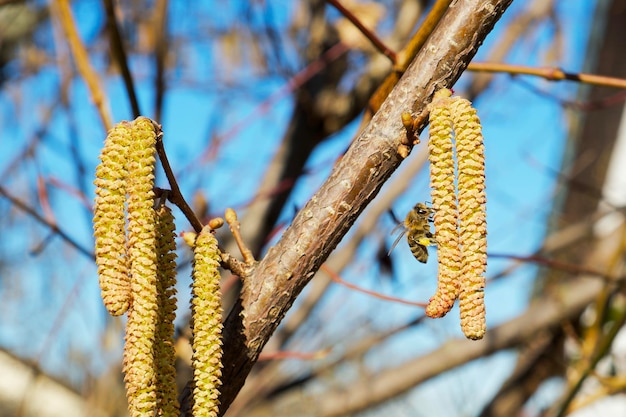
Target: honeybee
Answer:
pixel 417 228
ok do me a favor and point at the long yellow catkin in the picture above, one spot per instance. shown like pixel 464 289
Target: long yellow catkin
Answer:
pixel 206 307
pixel 472 216
pixel 139 367
pixel 443 194
pixel 109 220
pixel 167 401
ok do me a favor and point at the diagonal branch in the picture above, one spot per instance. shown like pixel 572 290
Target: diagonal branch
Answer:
pixel 356 179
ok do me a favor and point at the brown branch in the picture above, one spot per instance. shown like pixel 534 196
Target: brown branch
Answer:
pixel 520 26
pixel 257 386
pixel 376 41
pixel 551 74
pixel 554 264
pixel 356 179
pixel 175 196
pixel 234 225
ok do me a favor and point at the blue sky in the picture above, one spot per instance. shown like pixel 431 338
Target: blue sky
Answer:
pixel 50 302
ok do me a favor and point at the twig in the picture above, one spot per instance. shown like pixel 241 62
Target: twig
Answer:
pixel 235 266
pixel 405 56
pixel 552 74
pixel 335 277
pixel 175 196
pixel 378 43
pixel 233 223
pixel 119 53
pixel 419 39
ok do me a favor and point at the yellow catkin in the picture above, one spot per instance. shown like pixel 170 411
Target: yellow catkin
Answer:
pixel 472 216
pixel 206 308
pixel 139 366
pixel 443 195
pixel 109 221
pixel 167 401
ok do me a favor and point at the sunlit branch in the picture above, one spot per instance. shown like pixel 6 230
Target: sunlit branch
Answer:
pixel 551 74
pixel 64 16
pixel 404 57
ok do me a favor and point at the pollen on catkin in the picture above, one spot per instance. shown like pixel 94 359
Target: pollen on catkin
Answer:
pixel 109 220
pixel 472 216
pixel 444 203
pixel 165 355
pixel 139 362
pixel 206 309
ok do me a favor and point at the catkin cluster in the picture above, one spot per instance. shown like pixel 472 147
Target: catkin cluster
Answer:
pixel 136 259
pixel 460 219
pixel 136 263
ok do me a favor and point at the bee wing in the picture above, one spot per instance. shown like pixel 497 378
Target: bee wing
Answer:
pixel 395 242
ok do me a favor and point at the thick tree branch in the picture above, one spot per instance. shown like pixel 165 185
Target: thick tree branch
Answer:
pixel 356 179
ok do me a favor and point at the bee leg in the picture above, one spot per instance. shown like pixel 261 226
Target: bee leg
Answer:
pixel 427 241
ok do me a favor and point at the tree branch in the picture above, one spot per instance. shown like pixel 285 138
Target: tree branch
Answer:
pixel 356 179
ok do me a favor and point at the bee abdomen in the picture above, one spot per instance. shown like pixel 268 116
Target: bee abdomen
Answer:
pixel 419 251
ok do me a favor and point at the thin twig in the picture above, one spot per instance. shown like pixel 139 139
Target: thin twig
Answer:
pixel 376 41
pixel 405 57
pixel 233 223
pixel 175 196
pixel 552 74
pixel 335 277
pixel 119 53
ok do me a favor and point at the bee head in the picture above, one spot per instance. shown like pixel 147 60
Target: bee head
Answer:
pixel 422 209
